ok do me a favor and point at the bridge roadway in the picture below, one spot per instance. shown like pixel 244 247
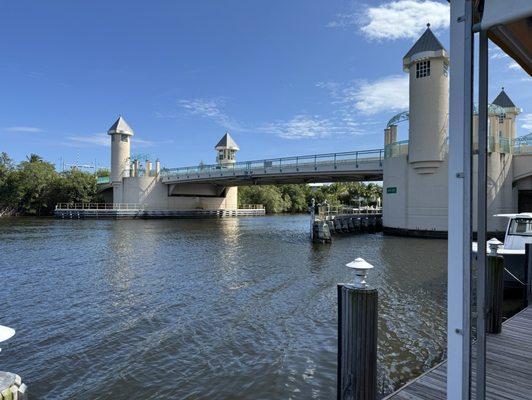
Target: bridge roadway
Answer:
pixel 365 165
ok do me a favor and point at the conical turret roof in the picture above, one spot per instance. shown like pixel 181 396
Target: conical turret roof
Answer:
pixel 227 142
pixel 427 43
pixel 120 126
pixel 502 100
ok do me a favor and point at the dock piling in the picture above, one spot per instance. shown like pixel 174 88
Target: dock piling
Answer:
pixel 357 337
pixel 494 288
pixel 528 274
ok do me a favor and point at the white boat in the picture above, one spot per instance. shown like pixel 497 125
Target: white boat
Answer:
pixel 518 234
pixel 518 231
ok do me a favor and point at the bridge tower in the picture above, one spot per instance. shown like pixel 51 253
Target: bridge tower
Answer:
pixel 226 150
pixel 427 63
pixel 120 133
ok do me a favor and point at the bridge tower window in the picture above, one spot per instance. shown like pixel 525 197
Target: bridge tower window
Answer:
pixel 423 69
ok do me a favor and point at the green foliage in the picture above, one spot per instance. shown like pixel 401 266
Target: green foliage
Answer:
pixel 297 198
pixel 102 172
pixel 269 196
pixel 34 187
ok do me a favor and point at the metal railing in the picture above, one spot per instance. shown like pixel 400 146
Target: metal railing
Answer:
pixel 99 206
pixel 251 207
pixel 327 210
pixel 317 160
pixel 396 148
pixel 522 145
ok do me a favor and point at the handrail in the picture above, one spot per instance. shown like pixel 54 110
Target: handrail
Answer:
pixel 293 161
pixel 99 206
pixel 251 207
pixel 328 210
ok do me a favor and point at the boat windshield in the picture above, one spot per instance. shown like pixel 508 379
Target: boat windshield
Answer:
pixel 521 227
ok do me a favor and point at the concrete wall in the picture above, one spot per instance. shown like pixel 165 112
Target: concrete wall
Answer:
pixel 120 154
pixel 155 195
pixel 522 166
pixel 429 105
pixel 394 204
pixel 427 198
pixel 420 201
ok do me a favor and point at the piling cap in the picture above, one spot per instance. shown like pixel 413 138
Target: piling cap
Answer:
pixel 359 263
pixel 361 267
pixel 494 244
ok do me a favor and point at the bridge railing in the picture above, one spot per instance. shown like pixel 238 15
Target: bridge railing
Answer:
pixel 522 145
pixel 333 159
pixel 396 148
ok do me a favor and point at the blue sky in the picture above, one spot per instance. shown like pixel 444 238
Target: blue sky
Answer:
pixel 285 77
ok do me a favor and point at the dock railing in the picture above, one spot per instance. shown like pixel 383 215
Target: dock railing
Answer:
pixel 100 206
pixel 327 211
pixel 251 207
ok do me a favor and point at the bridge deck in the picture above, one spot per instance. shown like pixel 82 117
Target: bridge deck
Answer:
pixel 348 166
pixel 508 366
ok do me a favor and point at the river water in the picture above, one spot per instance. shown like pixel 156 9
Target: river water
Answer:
pixel 205 309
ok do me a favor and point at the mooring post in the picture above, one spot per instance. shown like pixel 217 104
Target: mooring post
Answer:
pixel 312 217
pixel 494 287
pixel 357 337
pixel 528 274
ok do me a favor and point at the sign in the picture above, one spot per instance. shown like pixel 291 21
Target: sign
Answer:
pixel 392 189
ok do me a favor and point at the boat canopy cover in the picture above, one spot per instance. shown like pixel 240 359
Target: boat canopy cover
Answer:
pixel 510 27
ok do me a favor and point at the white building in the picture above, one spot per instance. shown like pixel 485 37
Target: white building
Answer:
pixel 415 183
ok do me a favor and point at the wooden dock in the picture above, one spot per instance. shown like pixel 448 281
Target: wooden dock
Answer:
pixel 508 366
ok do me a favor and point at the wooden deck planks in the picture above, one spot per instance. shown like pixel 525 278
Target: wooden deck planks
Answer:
pixel 508 368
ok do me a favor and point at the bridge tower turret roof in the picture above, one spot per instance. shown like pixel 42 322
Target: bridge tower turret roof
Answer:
pixel 502 100
pixel 120 126
pixel 427 46
pixel 227 142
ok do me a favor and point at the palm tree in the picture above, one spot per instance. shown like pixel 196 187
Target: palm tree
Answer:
pixel 34 158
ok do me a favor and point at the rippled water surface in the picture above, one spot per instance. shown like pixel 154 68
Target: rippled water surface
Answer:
pixel 205 309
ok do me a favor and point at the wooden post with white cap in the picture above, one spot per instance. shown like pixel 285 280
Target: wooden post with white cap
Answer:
pixel 357 337
pixel 494 287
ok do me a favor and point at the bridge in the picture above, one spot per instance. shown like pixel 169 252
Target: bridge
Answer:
pixel 364 165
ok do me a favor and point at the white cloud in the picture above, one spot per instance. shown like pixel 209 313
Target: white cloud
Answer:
pixel 399 19
pixel 95 139
pixel 388 94
pixel 514 65
pixel 103 139
pixel 305 126
pixel 526 121
pixel 22 129
pixel 213 109
pixel 497 54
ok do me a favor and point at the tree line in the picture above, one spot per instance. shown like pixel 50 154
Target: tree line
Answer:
pixel 34 187
pixel 297 198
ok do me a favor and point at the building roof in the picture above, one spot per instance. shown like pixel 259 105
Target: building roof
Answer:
pixel 502 100
pixel 120 126
pixel 427 42
pixel 227 142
